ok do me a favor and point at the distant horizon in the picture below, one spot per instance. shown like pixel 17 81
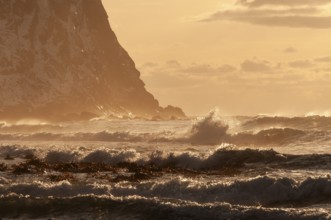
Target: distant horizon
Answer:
pixel 227 54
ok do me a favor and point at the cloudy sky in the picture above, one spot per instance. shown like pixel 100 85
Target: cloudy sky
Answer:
pixel 243 56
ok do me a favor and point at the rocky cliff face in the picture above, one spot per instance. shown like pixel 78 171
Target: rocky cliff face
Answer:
pixel 60 58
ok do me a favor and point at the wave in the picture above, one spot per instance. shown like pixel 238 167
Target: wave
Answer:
pixel 208 130
pixel 314 122
pixel 212 129
pixel 279 136
pixel 98 136
pixel 93 207
pixel 218 159
pixel 201 134
pixel 21 127
pixel 265 191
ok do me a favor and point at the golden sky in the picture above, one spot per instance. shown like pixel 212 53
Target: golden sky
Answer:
pixel 243 56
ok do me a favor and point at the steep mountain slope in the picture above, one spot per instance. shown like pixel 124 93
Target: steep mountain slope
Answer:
pixel 60 59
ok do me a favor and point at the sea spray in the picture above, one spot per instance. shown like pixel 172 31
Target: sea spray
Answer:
pixel 208 130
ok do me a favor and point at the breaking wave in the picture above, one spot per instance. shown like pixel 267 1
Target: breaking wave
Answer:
pixel 263 190
pixel 314 122
pixel 223 157
pixel 93 207
pixel 202 133
pixel 152 172
pixel 208 130
pixel 99 136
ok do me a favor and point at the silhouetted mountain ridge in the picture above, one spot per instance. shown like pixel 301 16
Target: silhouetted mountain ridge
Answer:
pixel 60 59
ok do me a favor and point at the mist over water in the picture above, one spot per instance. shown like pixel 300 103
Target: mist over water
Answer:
pixel 211 167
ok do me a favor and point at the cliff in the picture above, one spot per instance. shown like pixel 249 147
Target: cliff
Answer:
pixel 60 59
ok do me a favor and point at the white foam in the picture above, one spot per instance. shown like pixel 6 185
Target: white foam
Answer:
pixel 60 189
pixel 208 130
pixel 263 190
pixel 111 156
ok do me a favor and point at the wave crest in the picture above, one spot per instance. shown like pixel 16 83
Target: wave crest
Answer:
pixel 94 207
pixel 263 190
pixel 218 159
pixel 208 130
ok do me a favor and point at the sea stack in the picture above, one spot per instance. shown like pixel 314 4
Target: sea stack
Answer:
pixel 60 60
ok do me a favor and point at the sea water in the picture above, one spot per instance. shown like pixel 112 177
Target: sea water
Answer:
pixel 258 167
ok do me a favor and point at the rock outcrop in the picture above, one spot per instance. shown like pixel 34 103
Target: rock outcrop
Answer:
pixel 60 59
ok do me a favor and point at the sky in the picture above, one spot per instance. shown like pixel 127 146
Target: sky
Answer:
pixel 245 57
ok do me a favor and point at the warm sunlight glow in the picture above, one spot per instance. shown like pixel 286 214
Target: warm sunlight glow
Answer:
pixel 246 57
pixel 327 8
pixel 165 109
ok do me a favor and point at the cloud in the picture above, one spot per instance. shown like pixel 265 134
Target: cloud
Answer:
pixel 293 14
pixel 149 65
pixel 251 14
pixel 193 69
pixel 173 64
pixel 208 69
pixel 290 50
pixel 226 68
pixel 260 3
pixel 294 21
pixel 252 72
pixel 301 64
pixel 323 59
pixel 255 66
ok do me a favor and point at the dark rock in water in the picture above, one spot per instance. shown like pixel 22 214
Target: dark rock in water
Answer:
pixel 60 59
pixel 32 166
pixel 62 177
pixel 3 167
pixel 8 157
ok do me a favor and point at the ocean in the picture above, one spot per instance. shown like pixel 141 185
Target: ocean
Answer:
pixel 212 167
